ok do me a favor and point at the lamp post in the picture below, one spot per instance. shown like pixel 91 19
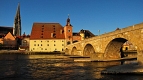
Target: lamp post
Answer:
pixel 98 32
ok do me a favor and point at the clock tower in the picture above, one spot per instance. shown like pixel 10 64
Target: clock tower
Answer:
pixel 68 32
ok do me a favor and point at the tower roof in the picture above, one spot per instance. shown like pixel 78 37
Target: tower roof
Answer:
pixel 17 23
pixel 68 21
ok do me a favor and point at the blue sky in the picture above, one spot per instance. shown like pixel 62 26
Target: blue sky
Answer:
pixel 93 15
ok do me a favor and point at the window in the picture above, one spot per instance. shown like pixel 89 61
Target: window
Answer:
pixel 54 41
pixel 34 41
pixel 68 30
pixel 54 35
pixel 68 43
pixel 33 48
pixel 47 41
pixel 34 44
pixel 41 48
pixel 41 44
pixel 41 41
pixel 62 44
pixel 47 44
pixel 38 44
pixel 54 44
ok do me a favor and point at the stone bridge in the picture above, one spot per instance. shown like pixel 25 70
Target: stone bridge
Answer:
pixel 108 45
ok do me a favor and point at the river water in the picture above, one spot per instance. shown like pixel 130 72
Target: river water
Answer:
pixel 40 67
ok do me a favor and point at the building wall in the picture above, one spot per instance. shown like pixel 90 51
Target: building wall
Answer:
pixel 1 40
pixel 25 41
pixel 76 38
pixel 47 45
pixel 68 34
pixel 9 40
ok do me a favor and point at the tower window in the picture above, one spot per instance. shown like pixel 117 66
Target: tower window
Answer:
pixel 68 30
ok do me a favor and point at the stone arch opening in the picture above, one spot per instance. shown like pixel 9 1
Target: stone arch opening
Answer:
pixel 88 50
pixel 74 51
pixel 114 48
pixel 66 51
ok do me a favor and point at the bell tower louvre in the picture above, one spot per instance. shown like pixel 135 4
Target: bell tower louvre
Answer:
pixel 17 23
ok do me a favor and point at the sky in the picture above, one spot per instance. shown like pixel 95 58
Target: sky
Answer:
pixel 93 15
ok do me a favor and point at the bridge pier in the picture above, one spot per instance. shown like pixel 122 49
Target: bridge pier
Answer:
pixel 140 57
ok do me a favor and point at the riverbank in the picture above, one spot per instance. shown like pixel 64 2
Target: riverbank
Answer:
pixel 26 52
pixel 131 68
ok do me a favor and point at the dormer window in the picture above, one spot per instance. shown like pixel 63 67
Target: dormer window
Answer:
pixel 54 35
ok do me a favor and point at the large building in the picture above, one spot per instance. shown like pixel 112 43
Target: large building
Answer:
pixel 47 37
pixel 50 37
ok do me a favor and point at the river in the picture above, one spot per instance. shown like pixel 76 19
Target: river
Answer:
pixel 40 67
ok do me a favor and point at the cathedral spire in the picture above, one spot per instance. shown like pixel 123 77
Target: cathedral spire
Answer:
pixel 17 23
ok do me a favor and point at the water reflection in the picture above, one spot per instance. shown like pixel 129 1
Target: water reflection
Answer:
pixel 21 67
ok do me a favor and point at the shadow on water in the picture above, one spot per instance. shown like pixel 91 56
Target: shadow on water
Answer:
pixel 41 67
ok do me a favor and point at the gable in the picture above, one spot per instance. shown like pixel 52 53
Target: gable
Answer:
pixel 9 36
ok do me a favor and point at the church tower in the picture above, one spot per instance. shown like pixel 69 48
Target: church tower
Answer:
pixel 17 23
pixel 68 32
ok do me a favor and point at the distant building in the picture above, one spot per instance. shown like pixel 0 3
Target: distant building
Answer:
pixel 129 46
pixel 25 40
pixel 8 42
pixel 4 30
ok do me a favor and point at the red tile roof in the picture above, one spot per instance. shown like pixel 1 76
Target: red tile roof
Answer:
pixel 47 31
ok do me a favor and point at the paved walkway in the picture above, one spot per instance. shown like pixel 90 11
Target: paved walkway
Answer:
pixel 132 68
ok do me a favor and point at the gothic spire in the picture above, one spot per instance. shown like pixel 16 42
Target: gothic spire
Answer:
pixel 17 23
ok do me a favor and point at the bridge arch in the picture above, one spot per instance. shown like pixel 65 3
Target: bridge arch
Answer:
pixel 114 48
pixel 74 51
pixel 88 50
